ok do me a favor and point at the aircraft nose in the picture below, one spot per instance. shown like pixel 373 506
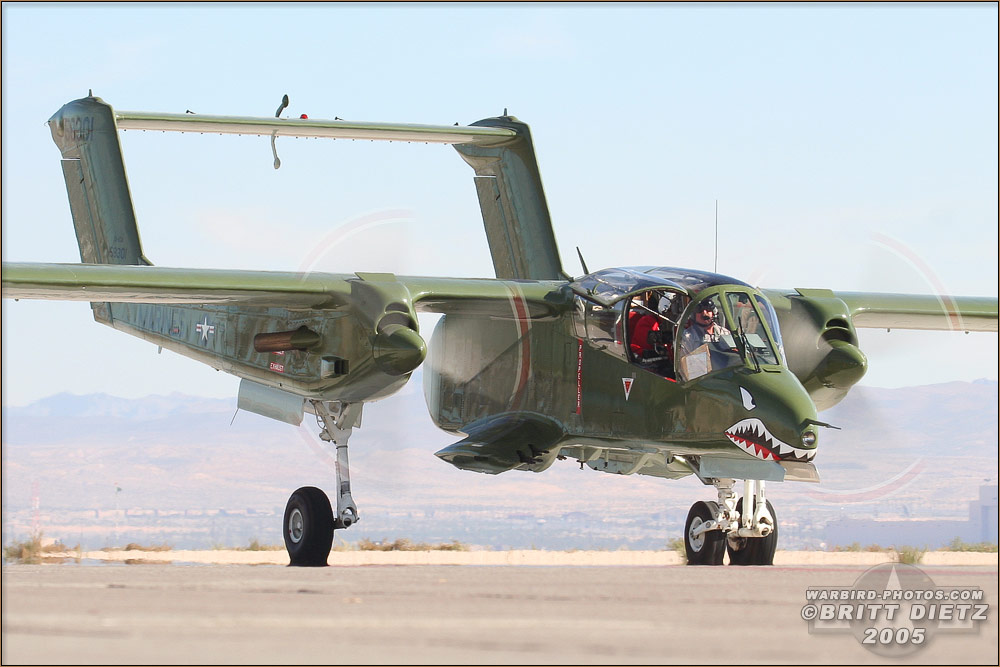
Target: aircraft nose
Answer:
pixel 758 438
pixel 779 419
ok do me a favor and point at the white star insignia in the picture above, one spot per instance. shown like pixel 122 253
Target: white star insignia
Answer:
pixel 204 328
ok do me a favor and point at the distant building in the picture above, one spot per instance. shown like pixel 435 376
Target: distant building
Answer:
pixel 930 533
pixel 984 513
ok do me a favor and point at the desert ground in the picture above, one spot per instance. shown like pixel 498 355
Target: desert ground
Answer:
pixel 539 557
pixel 516 607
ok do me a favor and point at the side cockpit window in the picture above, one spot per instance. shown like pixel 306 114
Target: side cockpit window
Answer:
pixel 651 327
pixel 767 309
pixel 750 329
pixel 601 325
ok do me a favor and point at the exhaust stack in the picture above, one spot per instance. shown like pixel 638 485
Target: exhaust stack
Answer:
pixel 302 338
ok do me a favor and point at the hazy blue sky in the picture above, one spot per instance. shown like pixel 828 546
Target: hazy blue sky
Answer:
pixel 851 146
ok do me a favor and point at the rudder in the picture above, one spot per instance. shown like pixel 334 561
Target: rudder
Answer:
pixel 515 214
pixel 100 202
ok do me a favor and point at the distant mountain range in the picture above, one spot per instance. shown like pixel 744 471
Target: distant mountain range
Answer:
pixel 193 472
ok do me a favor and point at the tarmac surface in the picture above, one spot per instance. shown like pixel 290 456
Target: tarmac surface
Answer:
pixel 150 613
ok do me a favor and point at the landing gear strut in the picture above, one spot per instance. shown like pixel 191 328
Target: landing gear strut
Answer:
pixel 712 529
pixel 753 550
pixel 309 519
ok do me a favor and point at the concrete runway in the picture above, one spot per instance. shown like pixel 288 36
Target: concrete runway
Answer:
pixel 430 614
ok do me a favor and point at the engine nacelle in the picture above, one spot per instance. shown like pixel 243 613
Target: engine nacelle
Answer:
pixel 398 349
pixel 821 345
pixel 480 366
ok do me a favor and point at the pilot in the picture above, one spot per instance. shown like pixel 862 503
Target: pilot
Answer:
pixel 643 322
pixel 671 308
pixel 651 336
pixel 703 327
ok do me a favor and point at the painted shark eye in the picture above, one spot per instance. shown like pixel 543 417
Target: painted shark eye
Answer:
pixel 808 438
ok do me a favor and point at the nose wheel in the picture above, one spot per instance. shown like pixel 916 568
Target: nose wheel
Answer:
pixel 703 542
pixel 753 550
pixel 746 528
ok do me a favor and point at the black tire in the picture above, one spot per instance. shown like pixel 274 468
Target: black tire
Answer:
pixel 710 547
pixel 308 527
pixel 753 550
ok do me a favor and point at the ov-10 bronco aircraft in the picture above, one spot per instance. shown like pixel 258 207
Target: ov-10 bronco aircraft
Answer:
pixel 645 370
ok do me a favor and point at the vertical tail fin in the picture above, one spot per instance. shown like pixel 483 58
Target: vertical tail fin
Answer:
pixel 87 136
pixel 512 200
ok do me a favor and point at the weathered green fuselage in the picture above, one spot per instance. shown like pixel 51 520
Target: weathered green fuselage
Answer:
pixel 600 403
pixel 533 373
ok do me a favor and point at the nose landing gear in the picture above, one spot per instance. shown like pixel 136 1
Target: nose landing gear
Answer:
pixel 703 544
pixel 712 529
pixel 753 550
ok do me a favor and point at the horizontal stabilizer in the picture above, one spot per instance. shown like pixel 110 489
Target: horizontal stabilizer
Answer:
pixel 310 128
pixel 504 442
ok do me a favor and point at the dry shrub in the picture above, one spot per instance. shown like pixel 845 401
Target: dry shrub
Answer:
pixel 404 544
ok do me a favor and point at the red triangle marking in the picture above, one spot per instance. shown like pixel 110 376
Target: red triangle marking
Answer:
pixel 627 384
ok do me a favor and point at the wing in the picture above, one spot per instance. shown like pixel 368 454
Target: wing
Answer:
pixel 879 310
pixel 314 291
pixel 819 328
pixel 120 283
pixel 921 311
pixel 288 336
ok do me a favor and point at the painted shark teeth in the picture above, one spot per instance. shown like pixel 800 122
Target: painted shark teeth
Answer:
pixel 753 437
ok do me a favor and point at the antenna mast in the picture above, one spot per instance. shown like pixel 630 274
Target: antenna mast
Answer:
pixel 716 269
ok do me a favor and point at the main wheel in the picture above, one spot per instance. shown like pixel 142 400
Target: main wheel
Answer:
pixel 308 527
pixel 753 550
pixel 709 547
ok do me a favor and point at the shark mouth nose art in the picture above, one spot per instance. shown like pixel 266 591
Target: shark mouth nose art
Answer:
pixel 754 438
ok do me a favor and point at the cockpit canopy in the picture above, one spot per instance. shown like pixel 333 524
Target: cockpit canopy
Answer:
pixel 677 323
pixel 722 330
pixel 611 285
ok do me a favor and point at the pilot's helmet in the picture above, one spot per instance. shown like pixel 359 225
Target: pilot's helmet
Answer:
pixel 671 304
pixel 709 305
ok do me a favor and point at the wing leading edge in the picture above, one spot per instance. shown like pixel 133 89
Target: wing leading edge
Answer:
pixel 165 285
pixel 881 310
pixel 921 311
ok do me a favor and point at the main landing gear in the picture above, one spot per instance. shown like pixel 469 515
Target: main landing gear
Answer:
pixel 309 519
pixel 713 528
